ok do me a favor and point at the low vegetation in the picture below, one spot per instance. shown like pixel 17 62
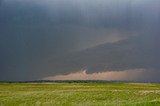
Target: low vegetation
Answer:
pixel 79 94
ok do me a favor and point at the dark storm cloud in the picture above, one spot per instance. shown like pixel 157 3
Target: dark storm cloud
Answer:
pixel 41 37
pixel 133 53
pixel 0 2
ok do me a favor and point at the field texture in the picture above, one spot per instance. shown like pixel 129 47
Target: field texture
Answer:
pixel 79 94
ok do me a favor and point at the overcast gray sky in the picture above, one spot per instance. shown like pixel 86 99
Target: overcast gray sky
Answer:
pixel 42 38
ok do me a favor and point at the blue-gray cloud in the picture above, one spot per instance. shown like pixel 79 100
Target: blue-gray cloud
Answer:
pixel 43 37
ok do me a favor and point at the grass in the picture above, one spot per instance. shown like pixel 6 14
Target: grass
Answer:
pixel 79 94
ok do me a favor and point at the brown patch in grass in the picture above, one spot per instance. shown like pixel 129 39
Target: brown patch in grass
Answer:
pixel 149 92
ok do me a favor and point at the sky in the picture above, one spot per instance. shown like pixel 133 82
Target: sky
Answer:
pixel 89 39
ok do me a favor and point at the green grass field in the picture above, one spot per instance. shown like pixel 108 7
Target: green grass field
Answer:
pixel 79 94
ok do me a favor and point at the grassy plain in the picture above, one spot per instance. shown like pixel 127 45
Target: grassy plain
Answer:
pixel 79 94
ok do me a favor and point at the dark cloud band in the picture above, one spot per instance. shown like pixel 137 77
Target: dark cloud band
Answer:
pixel 43 37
